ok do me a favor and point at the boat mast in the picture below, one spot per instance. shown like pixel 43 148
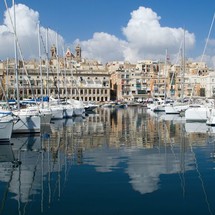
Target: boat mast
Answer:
pixel 40 65
pixel 7 71
pixel 57 55
pixel 47 65
pixel 183 69
pixel 15 55
pixel 166 76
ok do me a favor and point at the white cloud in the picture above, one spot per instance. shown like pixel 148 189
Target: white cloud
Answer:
pixel 27 33
pixel 145 38
pixel 103 46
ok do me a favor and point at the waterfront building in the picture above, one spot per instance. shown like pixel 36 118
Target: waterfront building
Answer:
pixel 139 81
pixel 69 76
pixel 73 76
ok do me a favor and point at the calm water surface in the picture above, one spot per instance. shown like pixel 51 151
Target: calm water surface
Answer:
pixel 114 161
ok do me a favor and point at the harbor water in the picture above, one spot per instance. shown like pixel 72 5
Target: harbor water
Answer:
pixel 113 161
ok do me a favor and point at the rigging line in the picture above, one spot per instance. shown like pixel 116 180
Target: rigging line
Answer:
pixel 43 43
pixel 19 49
pixel 208 37
pixel 5 194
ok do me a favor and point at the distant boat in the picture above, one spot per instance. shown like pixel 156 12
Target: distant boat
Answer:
pixel 176 107
pixel 90 106
pixel 78 107
pixel 196 114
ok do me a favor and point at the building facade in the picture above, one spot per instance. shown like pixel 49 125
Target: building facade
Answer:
pixel 72 76
pixel 67 77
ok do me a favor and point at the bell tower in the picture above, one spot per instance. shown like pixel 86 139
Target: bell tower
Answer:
pixel 53 52
pixel 78 53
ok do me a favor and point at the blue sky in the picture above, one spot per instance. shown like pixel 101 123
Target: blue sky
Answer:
pixel 109 24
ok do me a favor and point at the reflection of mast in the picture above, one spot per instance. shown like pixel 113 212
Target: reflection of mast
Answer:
pixel 49 173
pixel 33 179
pixel 59 178
pixel 181 162
pixel 201 180
pixel 9 181
pixel 182 158
pixel 42 172
pixel 57 156
pixel 6 192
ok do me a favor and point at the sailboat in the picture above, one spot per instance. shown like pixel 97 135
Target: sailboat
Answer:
pixel 179 106
pixel 6 128
pixel 211 113
pixel 6 122
pixel 26 121
pixel 205 112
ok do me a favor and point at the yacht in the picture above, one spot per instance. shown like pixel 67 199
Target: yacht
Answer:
pixel 26 121
pixel 6 128
pixel 78 107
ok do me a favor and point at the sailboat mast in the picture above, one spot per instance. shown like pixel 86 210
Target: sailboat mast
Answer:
pixel 57 67
pixel 183 69
pixel 65 78
pixel 40 65
pixel 166 76
pixel 7 78
pixel 15 56
pixel 47 65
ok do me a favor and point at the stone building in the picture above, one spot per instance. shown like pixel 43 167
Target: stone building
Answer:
pixel 70 76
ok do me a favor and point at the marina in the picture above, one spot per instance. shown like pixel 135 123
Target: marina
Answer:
pixel 111 161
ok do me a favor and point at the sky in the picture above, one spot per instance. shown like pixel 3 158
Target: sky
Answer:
pixel 111 30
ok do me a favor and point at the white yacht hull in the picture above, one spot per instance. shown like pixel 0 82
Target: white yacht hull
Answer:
pixel 6 127
pixel 78 107
pixel 78 111
pixel 175 109
pixel 158 108
pixel 27 124
pixel 211 117
pixel 46 118
pixel 57 113
pixel 171 110
pixel 196 114
pixel 68 111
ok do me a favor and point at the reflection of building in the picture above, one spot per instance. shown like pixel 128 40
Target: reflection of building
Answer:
pixel 141 145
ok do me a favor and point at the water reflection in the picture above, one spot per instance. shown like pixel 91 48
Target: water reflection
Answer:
pixel 144 146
